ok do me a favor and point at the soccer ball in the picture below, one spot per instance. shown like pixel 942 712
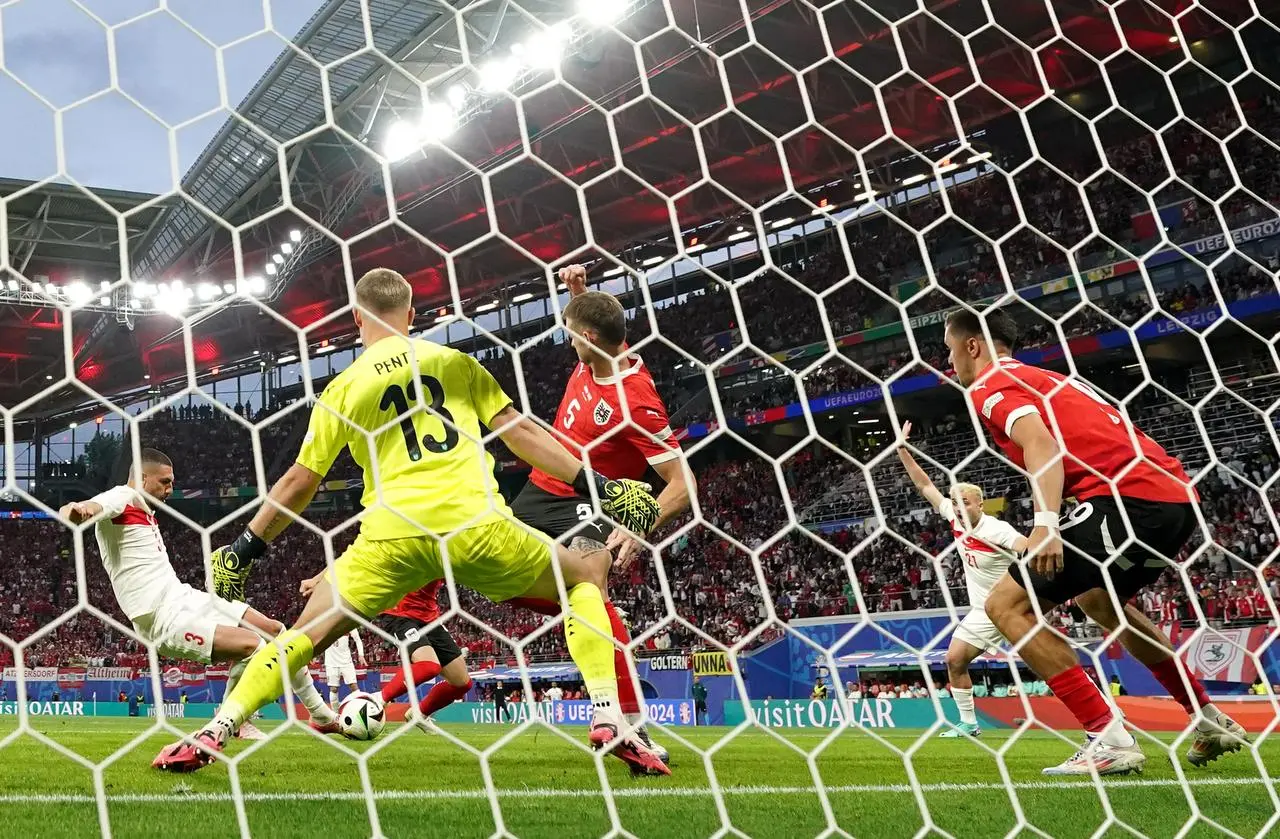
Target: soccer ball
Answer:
pixel 361 716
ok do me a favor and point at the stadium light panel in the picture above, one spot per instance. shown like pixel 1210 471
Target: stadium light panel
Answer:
pixel 444 318
pixel 782 222
pixel 401 140
pixel 228 288
pixel 207 291
pixel 544 48
pixel 457 95
pixel 48 377
pixel 695 248
pixel 439 120
pixel 741 234
pixel 613 272
pixel 104 301
pixel 520 298
pixel 255 284
pixel 601 12
pixel 485 307
pixel 653 260
pixel 278 259
pixel 978 158
pixel 914 179
pixel 497 75
pixel 13 285
pixel 286 248
pixel 286 359
pixel 71 425
pixel 78 292
pixel 271 269
pixel 295 235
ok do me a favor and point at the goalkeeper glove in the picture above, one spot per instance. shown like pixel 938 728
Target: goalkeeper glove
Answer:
pixel 625 501
pixel 232 564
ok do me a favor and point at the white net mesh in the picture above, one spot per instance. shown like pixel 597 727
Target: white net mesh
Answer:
pixel 787 197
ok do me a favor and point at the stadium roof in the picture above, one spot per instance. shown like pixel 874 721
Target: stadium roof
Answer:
pixel 643 98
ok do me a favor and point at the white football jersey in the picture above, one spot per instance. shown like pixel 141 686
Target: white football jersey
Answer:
pixel 338 654
pixel 987 549
pixel 133 552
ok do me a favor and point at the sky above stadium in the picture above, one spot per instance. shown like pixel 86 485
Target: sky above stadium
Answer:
pixel 58 58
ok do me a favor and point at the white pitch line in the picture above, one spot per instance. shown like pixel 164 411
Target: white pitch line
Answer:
pixel 629 792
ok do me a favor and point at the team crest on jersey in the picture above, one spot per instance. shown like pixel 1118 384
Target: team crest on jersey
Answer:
pixel 603 412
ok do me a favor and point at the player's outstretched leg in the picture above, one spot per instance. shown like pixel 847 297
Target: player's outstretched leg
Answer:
pixel 1109 748
pixel 261 682
pixel 1216 733
pixel 588 632
pixel 452 687
pixel 960 654
pixel 628 700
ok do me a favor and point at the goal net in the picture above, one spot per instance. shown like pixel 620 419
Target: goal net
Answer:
pixel 787 197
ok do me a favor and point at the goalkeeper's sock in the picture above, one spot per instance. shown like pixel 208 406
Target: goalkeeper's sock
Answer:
pixel 421 673
pixel 262 681
pixel 304 688
pixel 442 694
pixel 587 632
pixel 627 699
pixel 964 704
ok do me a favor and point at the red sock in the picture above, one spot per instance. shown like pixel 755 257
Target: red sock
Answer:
pixel 441 695
pixel 423 672
pixel 1081 696
pixel 1169 675
pixel 627 700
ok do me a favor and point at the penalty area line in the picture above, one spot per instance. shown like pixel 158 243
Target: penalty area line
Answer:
pixel 626 792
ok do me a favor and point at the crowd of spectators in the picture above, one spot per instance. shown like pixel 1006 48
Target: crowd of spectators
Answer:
pixel 708 588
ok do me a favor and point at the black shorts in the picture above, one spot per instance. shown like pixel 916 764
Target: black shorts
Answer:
pixel 414 635
pixel 556 515
pixel 1095 532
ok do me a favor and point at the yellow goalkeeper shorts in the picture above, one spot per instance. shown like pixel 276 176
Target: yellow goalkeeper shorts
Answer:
pixel 500 559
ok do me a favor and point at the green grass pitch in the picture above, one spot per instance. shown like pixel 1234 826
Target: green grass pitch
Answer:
pixel 298 786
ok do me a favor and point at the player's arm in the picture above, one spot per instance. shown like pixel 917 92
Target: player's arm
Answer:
pixel 107 504
pixel 679 489
pixel 355 636
pixel 916 474
pixel 574 278
pixel 1042 460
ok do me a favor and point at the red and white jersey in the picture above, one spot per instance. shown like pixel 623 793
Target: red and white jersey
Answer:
pixel 422 605
pixel 593 408
pixel 1095 437
pixel 987 548
pixel 133 552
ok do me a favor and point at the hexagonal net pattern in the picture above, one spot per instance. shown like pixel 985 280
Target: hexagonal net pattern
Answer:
pixel 881 267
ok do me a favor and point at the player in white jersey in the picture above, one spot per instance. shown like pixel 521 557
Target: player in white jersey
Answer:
pixel 338 666
pixel 987 545
pixel 178 620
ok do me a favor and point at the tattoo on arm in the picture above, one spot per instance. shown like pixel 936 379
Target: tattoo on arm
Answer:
pixel 585 544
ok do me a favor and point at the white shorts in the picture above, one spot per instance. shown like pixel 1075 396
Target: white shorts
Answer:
pixel 184 624
pixel 977 630
pixel 343 674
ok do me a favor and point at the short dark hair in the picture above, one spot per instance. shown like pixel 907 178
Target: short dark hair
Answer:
pixel 968 323
pixel 600 312
pixel 154 457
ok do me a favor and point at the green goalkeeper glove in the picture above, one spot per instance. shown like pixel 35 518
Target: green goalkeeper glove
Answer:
pixel 625 501
pixel 232 564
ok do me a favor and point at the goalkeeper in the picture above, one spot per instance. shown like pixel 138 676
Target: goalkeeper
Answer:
pixel 430 498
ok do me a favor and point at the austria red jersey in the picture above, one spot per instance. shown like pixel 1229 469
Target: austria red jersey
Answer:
pixel 1095 437
pixel 593 408
pixel 422 605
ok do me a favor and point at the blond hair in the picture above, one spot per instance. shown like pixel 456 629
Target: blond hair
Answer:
pixel 384 292
pixel 958 492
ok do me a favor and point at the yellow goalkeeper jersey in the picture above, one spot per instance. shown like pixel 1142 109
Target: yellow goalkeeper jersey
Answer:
pixel 410 412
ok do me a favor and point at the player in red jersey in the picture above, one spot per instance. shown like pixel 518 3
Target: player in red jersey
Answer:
pixel 1136 511
pixel 611 414
pixel 432 652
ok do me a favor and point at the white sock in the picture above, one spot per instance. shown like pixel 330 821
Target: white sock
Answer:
pixel 1209 719
pixel 305 690
pixel 333 696
pixel 1115 735
pixel 964 704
